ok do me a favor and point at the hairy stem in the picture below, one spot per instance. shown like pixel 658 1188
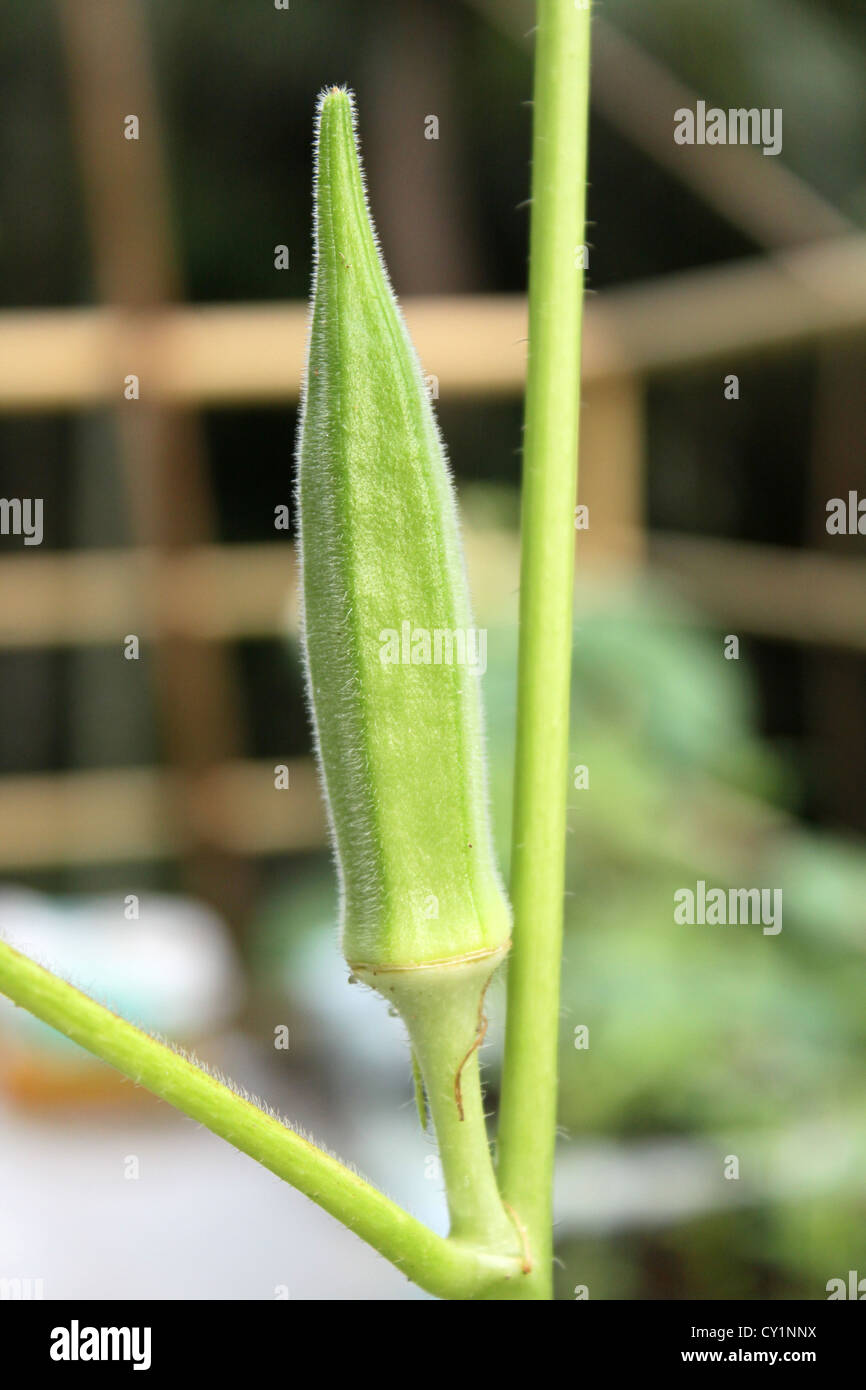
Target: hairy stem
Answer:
pixel 442 1007
pixel 442 1267
pixel 528 1115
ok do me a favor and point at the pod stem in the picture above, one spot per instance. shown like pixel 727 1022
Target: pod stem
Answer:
pixel 443 1009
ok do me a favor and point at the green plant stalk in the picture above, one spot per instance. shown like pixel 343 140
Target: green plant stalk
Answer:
pixel 440 1266
pixel 527 1125
pixel 442 1008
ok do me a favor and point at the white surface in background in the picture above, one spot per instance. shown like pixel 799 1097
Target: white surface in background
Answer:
pixel 201 1221
pixel 173 969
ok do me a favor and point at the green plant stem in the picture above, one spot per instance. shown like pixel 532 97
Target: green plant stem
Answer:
pixel 528 1113
pixel 443 1267
pixel 442 1007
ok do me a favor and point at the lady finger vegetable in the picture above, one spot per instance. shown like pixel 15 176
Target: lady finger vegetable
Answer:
pixel 393 666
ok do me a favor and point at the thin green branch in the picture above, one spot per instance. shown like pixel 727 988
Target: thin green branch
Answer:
pixel 438 1265
pixel 528 1115
pixel 443 1011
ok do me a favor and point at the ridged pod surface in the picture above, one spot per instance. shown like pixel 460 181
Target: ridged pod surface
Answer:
pixel 393 660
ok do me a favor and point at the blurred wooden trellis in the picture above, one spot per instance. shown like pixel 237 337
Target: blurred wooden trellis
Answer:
pixel 74 360
pixel 222 356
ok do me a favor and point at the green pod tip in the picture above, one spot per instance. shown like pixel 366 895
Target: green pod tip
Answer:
pixel 393 660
